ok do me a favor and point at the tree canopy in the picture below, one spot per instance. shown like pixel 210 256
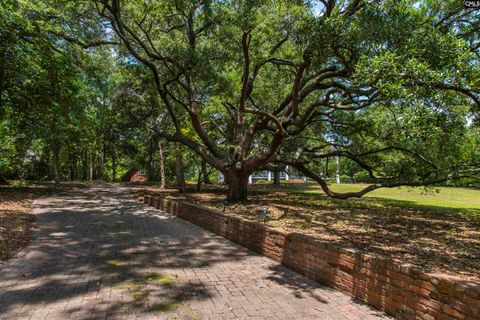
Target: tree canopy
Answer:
pixel 392 88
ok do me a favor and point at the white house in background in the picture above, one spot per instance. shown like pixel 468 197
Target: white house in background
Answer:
pixel 285 175
pixel 268 175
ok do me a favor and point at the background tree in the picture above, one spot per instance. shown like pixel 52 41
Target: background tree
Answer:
pixel 57 120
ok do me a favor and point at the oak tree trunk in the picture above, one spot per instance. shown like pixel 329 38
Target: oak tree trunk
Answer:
pixel 237 187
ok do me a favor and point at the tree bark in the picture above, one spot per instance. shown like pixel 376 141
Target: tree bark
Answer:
pixel 199 179
pixel 101 167
pixel 161 164
pixel 85 166
pixel 238 187
pixel 72 167
pixel 90 168
pixel 56 163
pixel 206 179
pixel 276 177
pixel 180 171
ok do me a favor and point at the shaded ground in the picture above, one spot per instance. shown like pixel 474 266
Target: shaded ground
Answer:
pixel 444 240
pixel 16 217
pixel 99 254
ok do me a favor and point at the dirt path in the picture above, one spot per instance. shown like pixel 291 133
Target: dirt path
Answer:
pixel 100 254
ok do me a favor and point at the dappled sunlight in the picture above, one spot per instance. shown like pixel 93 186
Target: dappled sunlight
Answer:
pixel 98 253
pixel 446 240
pixel 83 253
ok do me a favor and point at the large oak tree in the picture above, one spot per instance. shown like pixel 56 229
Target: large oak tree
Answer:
pixel 388 85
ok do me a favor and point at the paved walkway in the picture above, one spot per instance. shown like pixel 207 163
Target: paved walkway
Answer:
pixel 100 254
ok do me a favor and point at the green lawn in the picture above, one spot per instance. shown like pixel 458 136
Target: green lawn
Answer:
pixel 445 199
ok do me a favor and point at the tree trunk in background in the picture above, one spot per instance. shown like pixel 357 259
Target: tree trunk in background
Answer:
pixel 101 167
pixel 56 163
pixel 206 179
pixel 72 167
pixel 85 166
pixel 199 179
pixel 94 167
pixel 90 169
pixel 179 167
pixel 114 167
pixel 276 177
pixel 161 164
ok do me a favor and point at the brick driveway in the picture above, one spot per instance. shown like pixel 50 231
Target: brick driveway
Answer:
pixel 99 254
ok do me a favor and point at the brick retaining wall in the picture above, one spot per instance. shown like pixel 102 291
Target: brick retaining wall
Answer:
pixel 402 290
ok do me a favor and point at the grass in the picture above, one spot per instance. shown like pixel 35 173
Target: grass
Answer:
pixel 442 199
pixel 167 306
pixel 141 288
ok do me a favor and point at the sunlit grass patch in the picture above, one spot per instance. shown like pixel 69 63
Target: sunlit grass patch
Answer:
pixel 166 306
pixel 156 278
pixel 130 285
pixel 114 276
pixel 419 197
pixel 165 280
pixel 141 287
pixel 137 294
pixel 151 276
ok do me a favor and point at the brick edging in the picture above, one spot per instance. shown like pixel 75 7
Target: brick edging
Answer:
pixel 402 290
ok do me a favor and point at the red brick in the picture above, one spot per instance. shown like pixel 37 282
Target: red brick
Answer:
pixel 460 306
pixel 452 312
pixel 418 290
pixel 473 305
pixel 426 316
pixel 432 304
pixel 403 290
